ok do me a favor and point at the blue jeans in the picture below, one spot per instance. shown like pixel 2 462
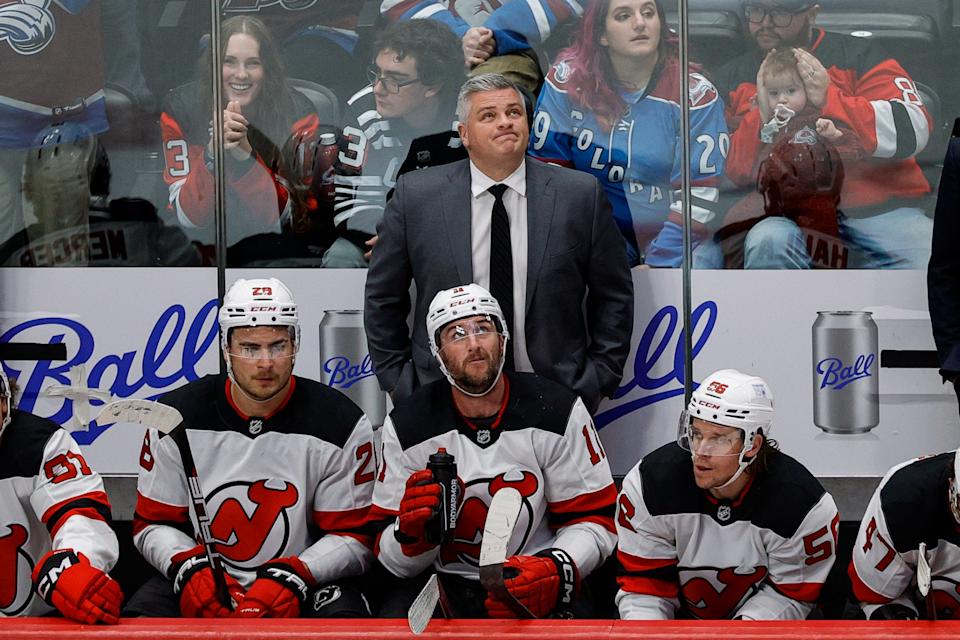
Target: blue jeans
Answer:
pixel 897 239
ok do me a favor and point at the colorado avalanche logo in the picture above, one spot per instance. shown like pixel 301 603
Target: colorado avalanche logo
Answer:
pixel 28 26
pixel 252 524
pixel 561 72
pixel 806 135
pixel 702 92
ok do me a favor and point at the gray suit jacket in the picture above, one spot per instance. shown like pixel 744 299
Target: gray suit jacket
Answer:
pixel 579 305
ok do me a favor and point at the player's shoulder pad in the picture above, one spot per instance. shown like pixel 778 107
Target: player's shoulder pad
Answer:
pixel 666 479
pixel 427 413
pixel 24 439
pixel 538 403
pixel 915 503
pixel 782 495
pixel 321 411
pixel 558 76
pixel 195 400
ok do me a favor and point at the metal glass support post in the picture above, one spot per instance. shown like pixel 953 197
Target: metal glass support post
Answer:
pixel 219 180
pixel 685 203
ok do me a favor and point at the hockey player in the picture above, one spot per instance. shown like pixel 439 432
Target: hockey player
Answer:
pixel 402 121
pixel 855 85
pixel 917 502
pixel 743 532
pixel 287 468
pixel 518 430
pixel 610 107
pixel 55 523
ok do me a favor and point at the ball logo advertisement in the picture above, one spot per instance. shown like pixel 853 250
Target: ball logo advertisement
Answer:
pixel 846 391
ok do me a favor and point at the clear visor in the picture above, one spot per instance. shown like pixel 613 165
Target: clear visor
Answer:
pixel 703 443
pixel 481 328
pixel 277 350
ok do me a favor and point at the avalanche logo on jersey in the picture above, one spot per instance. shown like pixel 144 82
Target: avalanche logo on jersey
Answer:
pixel 28 25
pixel 465 547
pixel 714 594
pixel 15 569
pixel 702 92
pixel 251 524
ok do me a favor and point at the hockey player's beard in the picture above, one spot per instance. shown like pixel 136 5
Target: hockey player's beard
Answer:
pixel 470 379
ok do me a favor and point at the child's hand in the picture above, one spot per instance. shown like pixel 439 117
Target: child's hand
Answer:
pixel 828 130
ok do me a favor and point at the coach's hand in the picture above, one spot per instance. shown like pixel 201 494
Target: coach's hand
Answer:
pixel 66 580
pixel 279 591
pixel 196 589
pixel 541 583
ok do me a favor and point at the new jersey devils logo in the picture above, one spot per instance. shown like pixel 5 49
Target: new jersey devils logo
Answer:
pixel 251 524
pixel 15 567
pixel 721 592
pixel 946 597
pixel 473 514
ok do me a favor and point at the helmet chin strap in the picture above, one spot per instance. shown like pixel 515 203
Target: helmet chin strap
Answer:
pixel 446 372
pixel 742 466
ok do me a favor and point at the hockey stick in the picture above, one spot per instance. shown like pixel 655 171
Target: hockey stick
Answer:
pixel 166 419
pixel 501 520
pixel 421 611
pixel 924 581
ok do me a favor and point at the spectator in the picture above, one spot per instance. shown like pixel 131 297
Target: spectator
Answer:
pixel 539 235
pixel 497 37
pixel 610 107
pixel 287 466
pixel 848 81
pixel 515 430
pixel 407 111
pixel 721 524
pixel 67 180
pixel 943 275
pixel 264 198
pixel 56 519
pixel 916 504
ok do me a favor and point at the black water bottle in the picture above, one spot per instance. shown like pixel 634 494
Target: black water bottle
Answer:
pixel 444 469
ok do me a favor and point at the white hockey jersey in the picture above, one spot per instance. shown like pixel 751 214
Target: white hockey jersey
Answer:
pixel 294 483
pixel 910 506
pixel 763 556
pixel 49 499
pixel 542 442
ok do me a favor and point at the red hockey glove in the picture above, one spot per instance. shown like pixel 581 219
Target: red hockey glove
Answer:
pixel 419 505
pixel 278 592
pixel 542 583
pixel 194 584
pixel 66 580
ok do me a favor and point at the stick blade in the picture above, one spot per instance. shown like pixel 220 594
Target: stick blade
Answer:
pixel 148 413
pixel 923 570
pixel 501 520
pixel 421 611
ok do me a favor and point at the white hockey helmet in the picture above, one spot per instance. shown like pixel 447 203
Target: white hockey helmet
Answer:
pixel 259 302
pixel 6 393
pixel 463 302
pixel 730 398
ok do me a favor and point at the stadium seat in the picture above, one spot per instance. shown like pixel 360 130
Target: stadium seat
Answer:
pixel 323 99
pixel 715 35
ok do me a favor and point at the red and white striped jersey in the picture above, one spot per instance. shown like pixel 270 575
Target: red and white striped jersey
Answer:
pixel 763 556
pixel 49 499
pixel 542 442
pixel 296 482
pixel 910 506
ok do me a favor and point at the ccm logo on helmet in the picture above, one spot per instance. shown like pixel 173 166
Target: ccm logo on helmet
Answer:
pixel 708 405
pixel 457 303
pixel 717 387
pixel 260 309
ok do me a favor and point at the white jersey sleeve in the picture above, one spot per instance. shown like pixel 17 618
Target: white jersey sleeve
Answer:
pixel 395 468
pixel 580 492
pixel 649 589
pixel 68 497
pixel 341 504
pixel 798 567
pixel 161 522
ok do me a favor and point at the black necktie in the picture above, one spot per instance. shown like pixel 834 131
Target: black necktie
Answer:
pixel 501 264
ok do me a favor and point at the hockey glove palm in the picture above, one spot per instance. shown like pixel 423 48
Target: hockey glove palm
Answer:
pixel 541 583
pixel 278 592
pixel 419 505
pixel 66 580
pixel 196 588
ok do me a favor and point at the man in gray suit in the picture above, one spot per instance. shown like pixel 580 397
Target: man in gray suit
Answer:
pixel 540 237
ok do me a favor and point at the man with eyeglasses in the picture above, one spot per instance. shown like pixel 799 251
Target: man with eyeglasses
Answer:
pixel 851 82
pixel 402 121
pixel 721 524
pixel 287 468
pixel 504 429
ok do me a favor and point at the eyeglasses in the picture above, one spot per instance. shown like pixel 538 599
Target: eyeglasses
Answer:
pixel 269 352
pixel 392 85
pixel 779 17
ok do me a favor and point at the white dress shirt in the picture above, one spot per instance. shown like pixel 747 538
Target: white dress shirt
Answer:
pixel 481 210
